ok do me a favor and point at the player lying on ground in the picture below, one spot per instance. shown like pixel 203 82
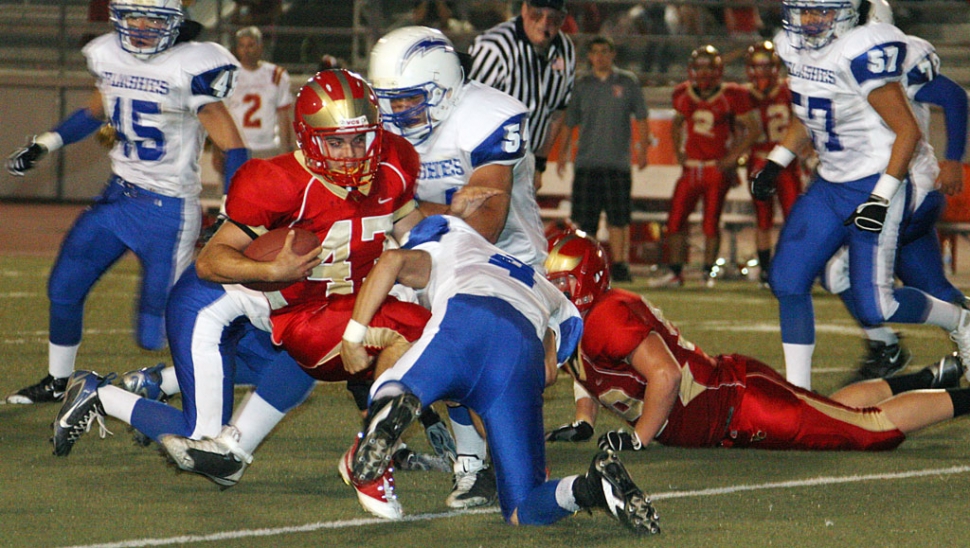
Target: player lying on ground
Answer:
pixel 637 364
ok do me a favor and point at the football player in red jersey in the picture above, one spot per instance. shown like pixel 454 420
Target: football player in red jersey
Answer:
pixel 637 364
pixel 771 98
pixel 708 140
pixel 352 184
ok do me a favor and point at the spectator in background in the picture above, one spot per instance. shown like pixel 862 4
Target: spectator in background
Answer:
pixel 437 14
pixel 531 59
pixel 256 12
pixel 741 18
pixel 603 103
pixel 262 102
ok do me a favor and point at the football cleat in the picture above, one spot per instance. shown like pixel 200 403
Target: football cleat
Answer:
pixel 474 483
pixel 613 490
pixel 946 372
pixel 146 382
pixel 377 497
pixel 440 439
pixel 49 389
pixel 406 458
pixel 883 360
pixel 220 459
pixel 81 406
pixel 667 280
pixel 387 419
pixel 961 336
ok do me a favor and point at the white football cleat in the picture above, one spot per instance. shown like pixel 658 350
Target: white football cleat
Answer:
pixel 377 497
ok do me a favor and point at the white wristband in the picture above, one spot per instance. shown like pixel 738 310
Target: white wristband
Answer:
pixel 886 187
pixel 51 140
pixel 355 332
pixel 781 156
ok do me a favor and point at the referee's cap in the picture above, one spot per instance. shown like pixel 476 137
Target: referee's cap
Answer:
pixel 554 4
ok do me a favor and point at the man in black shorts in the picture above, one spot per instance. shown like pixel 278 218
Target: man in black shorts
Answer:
pixel 602 104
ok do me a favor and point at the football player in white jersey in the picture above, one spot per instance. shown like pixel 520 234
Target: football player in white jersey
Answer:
pixel 161 96
pixel 467 134
pixel 920 260
pixel 477 292
pixel 846 93
pixel 263 102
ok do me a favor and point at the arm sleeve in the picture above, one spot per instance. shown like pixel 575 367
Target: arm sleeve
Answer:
pixel 947 94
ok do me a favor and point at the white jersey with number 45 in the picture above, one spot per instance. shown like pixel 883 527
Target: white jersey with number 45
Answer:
pixel 487 126
pixel 153 105
pixel 830 87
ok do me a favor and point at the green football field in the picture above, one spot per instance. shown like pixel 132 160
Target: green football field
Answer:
pixel 110 492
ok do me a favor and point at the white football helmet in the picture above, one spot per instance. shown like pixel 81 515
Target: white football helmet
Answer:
pixel 146 27
pixel 417 77
pixel 814 24
pixel 880 12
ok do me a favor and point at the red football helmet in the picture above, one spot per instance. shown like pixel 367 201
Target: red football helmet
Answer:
pixel 577 265
pixel 338 127
pixel 762 65
pixel 705 68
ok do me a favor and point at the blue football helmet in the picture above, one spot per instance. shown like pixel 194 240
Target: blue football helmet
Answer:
pixel 814 24
pixel 417 78
pixel 146 27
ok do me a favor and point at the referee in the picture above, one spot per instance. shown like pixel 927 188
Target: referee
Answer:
pixel 531 59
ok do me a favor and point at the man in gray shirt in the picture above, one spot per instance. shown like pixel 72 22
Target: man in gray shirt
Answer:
pixel 602 104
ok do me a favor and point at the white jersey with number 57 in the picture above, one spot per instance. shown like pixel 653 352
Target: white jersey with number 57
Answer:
pixel 830 87
pixel 487 126
pixel 153 105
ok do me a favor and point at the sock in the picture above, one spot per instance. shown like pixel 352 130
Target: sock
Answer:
pixel 467 439
pixel 764 258
pixel 255 419
pixel 61 358
pixel 542 505
pixel 882 334
pixel 920 380
pixel 961 400
pixel 581 492
pixel 945 315
pixel 798 364
pixel 677 269
pixel 117 402
pixel 170 382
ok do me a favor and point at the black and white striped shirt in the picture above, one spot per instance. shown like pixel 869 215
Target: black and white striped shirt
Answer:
pixel 503 58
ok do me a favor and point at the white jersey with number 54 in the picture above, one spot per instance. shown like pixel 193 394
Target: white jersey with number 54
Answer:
pixel 153 105
pixel 487 126
pixel 830 87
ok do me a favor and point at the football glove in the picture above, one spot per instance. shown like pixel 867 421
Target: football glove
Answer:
pixel 24 158
pixel 620 440
pixel 577 431
pixel 107 136
pixel 763 183
pixel 870 215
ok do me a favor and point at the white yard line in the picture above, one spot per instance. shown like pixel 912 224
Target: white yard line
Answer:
pixel 310 527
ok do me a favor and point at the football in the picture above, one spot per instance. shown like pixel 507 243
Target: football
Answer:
pixel 267 246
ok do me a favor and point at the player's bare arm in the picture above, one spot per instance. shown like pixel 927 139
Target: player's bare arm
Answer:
pixel 890 103
pixel 220 126
pixel 750 132
pixel 951 177
pixel 677 137
pixel 222 260
pixel 551 361
pixel 408 267
pixel 653 359
pixel 489 217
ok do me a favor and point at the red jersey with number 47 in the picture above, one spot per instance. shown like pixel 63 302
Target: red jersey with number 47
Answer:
pixel 710 121
pixel 350 223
